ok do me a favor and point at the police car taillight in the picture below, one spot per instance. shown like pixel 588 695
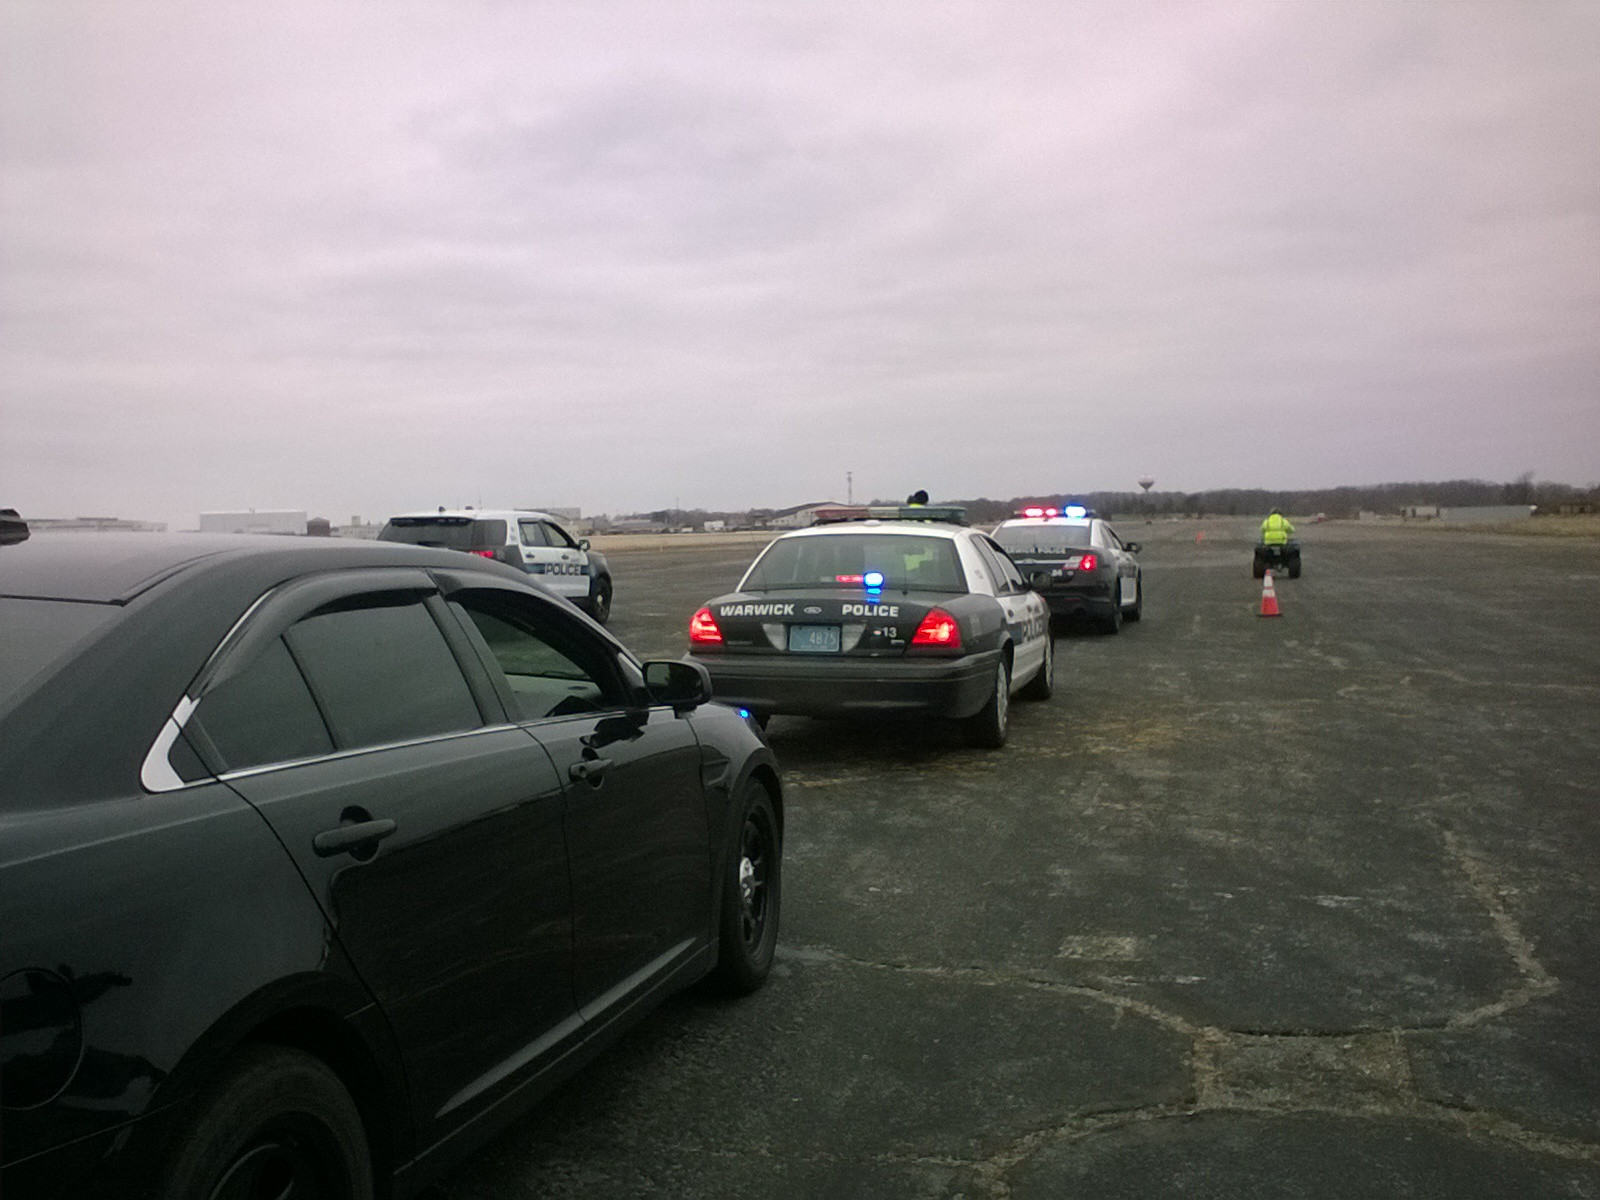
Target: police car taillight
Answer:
pixel 938 628
pixel 1088 562
pixel 703 629
pixel 484 553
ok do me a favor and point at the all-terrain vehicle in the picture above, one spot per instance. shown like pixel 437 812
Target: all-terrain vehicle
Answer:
pixel 1281 558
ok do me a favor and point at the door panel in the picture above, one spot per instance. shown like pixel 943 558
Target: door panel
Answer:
pixel 638 843
pixel 459 920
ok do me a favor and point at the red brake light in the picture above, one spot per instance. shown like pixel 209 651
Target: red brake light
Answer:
pixel 847 578
pixel 484 553
pixel 938 628
pixel 1088 562
pixel 703 629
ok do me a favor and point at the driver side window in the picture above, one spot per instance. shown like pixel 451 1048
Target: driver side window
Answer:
pixel 550 671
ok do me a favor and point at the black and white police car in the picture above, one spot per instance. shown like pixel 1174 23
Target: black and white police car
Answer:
pixel 880 610
pixel 525 538
pixel 1079 564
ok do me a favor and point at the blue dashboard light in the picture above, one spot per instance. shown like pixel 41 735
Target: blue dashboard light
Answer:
pixel 873 579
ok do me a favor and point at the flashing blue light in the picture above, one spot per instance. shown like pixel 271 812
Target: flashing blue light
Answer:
pixel 745 713
pixel 1075 510
pixel 873 579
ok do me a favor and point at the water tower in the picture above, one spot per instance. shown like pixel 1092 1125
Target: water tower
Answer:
pixel 1146 482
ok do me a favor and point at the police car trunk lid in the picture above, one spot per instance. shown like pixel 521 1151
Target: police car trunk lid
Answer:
pixel 820 622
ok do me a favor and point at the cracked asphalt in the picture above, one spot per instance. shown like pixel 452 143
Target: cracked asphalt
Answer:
pixel 1294 907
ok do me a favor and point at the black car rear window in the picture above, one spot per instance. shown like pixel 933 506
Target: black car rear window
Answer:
pixel 36 633
pixel 452 533
pixel 1042 539
pixel 844 560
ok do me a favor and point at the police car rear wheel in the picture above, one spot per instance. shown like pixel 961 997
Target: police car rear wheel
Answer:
pixel 1043 684
pixel 1112 621
pixel 987 728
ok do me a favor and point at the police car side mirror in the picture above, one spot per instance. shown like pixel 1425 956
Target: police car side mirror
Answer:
pixel 1131 547
pixel 1039 580
pixel 583 543
pixel 684 685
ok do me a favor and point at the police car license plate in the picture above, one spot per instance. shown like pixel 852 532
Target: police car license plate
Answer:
pixel 814 639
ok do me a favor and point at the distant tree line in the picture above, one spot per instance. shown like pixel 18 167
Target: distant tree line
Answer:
pixel 1389 498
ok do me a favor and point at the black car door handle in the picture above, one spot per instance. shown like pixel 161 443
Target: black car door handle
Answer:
pixel 357 836
pixel 590 770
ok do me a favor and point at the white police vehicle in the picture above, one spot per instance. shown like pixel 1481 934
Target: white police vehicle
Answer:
pixel 880 610
pixel 525 538
pixel 1079 564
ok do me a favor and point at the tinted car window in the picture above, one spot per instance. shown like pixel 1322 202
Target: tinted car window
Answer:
pixel 1005 574
pixel 35 633
pixel 557 536
pixel 1042 539
pixel 844 560
pixel 452 533
pixel 550 669
pixel 382 672
pixel 532 533
pixel 263 715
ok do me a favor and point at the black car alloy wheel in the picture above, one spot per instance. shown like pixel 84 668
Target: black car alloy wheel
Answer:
pixel 751 894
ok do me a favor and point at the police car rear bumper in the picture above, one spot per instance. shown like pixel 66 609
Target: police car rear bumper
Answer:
pixel 828 687
pixel 1083 599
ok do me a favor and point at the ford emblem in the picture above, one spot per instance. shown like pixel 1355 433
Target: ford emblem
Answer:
pixel 812 610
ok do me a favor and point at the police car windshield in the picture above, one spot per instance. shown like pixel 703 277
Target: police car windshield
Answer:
pixel 1042 539
pixel 846 560
pixel 453 533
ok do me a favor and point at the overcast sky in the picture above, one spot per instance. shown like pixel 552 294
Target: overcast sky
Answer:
pixel 358 258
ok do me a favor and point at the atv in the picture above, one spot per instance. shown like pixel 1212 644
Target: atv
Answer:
pixel 1284 558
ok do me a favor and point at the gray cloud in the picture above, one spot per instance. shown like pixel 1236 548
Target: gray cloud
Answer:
pixel 381 256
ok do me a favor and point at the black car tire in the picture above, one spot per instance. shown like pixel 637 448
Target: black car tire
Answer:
pixel 276 1122
pixel 1137 611
pixel 1112 621
pixel 600 599
pixel 1043 684
pixel 987 728
pixel 752 892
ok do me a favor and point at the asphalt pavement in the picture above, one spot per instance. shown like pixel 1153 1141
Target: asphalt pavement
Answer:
pixel 1282 907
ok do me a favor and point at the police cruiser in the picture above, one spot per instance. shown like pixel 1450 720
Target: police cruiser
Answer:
pixel 530 540
pixel 1082 568
pixel 879 610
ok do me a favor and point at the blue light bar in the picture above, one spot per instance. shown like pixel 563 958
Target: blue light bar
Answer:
pixel 873 579
pixel 1075 510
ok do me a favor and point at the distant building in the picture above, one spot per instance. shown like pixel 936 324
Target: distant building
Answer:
pixel 714 526
pixel 800 516
pixel 93 525
pixel 264 521
pixel 1481 514
pixel 1420 511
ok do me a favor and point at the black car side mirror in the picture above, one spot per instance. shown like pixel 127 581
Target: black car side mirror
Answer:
pixel 1039 580
pixel 583 543
pixel 683 685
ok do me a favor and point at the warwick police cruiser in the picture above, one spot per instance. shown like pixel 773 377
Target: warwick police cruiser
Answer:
pixel 873 610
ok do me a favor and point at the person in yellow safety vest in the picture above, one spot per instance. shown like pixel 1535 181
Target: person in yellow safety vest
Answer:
pixel 1275 530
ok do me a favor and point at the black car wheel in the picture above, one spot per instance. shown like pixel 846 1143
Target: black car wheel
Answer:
pixel 600 599
pixel 751 893
pixel 1137 611
pixel 277 1124
pixel 1043 683
pixel 1112 621
pixel 987 728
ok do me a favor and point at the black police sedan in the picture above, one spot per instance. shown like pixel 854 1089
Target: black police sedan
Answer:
pixel 320 860
pixel 880 610
pixel 1081 566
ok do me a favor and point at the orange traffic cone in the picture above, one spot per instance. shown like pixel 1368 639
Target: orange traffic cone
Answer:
pixel 1269 598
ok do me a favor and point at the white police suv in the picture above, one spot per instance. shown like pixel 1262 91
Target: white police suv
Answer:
pixel 525 538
